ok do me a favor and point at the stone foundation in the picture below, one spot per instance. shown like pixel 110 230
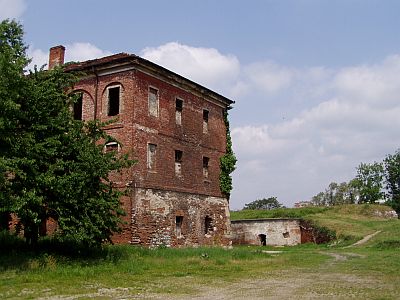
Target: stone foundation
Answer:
pixel 175 219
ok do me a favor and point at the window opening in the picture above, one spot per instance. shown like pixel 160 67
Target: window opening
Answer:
pixel 206 161
pixel 178 162
pixel 263 239
pixel 178 111
pixel 208 225
pixel 205 120
pixel 153 102
pixel 78 107
pixel 151 156
pixel 111 147
pixel 286 234
pixel 113 101
pixel 178 223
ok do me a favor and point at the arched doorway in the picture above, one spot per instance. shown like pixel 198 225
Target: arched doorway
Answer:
pixel 263 239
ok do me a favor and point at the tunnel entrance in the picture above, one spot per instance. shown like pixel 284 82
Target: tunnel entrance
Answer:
pixel 263 239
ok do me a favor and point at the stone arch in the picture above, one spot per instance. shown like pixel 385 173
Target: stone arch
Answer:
pixel 113 99
pixel 87 104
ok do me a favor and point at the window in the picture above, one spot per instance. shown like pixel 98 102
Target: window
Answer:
pixel 208 225
pixel 111 147
pixel 178 111
pixel 153 102
pixel 151 156
pixel 178 162
pixel 113 101
pixel 205 120
pixel 206 161
pixel 78 107
pixel 178 224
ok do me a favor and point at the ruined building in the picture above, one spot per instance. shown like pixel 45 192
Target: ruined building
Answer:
pixel 175 129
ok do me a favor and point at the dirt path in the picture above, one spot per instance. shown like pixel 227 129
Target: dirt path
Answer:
pixel 364 240
pixel 323 282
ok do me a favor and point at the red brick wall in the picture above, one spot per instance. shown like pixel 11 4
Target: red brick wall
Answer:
pixel 135 128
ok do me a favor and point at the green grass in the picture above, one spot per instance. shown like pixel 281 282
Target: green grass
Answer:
pixel 369 271
pixel 297 213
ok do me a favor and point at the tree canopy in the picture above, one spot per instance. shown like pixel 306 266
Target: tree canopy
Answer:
pixel 52 166
pixel 265 203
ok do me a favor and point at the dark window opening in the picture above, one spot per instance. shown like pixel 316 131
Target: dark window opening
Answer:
pixel 111 147
pixel 78 108
pixel 178 223
pixel 286 234
pixel 263 239
pixel 178 155
pixel 205 120
pixel 178 111
pixel 208 225
pixel 178 162
pixel 206 161
pixel 113 101
pixel 151 156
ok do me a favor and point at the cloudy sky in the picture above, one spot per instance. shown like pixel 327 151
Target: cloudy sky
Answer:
pixel 316 82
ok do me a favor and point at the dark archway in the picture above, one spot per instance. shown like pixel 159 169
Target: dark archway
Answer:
pixel 263 239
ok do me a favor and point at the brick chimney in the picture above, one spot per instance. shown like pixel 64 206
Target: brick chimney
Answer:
pixel 56 57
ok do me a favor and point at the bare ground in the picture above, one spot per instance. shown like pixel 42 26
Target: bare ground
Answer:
pixel 321 283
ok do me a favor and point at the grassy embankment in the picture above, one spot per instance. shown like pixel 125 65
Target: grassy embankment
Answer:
pixel 367 271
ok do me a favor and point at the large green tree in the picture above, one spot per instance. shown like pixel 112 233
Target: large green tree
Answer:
pixel 369 182
pixel 336 194
pixel 50 164
pixel 265 203
pixel 392 176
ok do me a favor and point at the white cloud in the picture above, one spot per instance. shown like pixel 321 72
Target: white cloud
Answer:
pixel 83 51
pixel 301 128
pixel 355 118
pixel 12 9
pixel 73 52
pixel 206 66
pixel 269 76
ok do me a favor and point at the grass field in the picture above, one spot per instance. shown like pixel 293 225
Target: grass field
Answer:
pixel 335 271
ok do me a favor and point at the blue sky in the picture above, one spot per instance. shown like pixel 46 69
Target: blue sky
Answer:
pixel 316 83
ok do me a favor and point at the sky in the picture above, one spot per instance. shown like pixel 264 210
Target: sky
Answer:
pixel 316 84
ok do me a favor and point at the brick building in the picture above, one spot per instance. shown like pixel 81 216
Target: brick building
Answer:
pixel 175 129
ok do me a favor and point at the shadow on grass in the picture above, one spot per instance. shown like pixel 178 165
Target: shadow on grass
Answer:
pixel 16 254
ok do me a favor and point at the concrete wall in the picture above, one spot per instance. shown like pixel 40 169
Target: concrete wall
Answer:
pixel 276 231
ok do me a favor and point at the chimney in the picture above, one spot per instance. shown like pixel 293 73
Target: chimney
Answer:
pixel 56 57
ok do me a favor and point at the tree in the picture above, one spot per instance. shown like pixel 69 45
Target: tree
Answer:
pixel 265 203
pixel 50 164
pixel 369 182
pixel 336 194
pixel 392 176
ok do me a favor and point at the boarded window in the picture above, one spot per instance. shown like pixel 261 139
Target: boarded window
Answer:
pixel 78 107
pixel 151 156
pixel 178 111
pixel 178 223
pixel 205 120
pixel 111 147
pixel 208 225
pixel 153 102
pixel 206 161
pixel 113 101
pixel 178 162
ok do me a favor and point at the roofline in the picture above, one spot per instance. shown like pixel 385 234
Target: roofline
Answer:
pixel 124 58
